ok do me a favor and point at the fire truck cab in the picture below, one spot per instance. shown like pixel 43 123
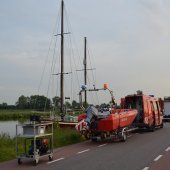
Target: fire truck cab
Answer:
pixel 149 113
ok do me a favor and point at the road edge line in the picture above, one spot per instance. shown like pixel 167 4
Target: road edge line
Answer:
pixel 83 151
pixel 157 158
pixel 167 149
pixel 59 159
pixel 102 145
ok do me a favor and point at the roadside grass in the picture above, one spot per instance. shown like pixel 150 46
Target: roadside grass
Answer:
pixel 62 137
pixel 7 147
pixel 65 136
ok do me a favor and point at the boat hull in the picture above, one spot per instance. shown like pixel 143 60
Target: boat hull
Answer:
pixel 119 118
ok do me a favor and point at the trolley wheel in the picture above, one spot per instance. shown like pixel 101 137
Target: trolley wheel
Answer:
pixel 50 157
pixel 19 161
pixel 35 162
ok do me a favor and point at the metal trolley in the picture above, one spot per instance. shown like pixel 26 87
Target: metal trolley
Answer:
pixel 35 141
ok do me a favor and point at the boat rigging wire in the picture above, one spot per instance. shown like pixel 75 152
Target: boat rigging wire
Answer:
pixel 45 62
pixel 94 79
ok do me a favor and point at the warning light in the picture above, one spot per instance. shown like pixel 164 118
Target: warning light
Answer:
pixel 105 86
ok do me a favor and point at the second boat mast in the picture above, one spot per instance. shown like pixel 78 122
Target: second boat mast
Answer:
pixel 62 60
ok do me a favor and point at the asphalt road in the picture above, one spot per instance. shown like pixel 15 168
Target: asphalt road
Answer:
pixel 137 153
pixel 142 151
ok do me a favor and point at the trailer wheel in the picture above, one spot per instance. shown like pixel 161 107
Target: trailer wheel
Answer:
pixel 152 128
pixel 87 135
pixel 124 137
pixel 19 161
pixel 162 125
pixel 94 139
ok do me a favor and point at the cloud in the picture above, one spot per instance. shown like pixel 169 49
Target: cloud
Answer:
pixel 129 41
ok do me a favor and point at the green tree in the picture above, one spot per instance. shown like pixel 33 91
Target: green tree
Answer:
pixel 68 105
pixel 56 101
pixel 75 105
pixel 33 102
pixel 85 105
pixel 3 105
pixel 39 102
pixel 23 102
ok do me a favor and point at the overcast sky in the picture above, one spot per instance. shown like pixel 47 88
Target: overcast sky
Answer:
pixel 129 41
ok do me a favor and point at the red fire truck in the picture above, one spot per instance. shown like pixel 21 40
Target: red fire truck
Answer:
pixel 149 112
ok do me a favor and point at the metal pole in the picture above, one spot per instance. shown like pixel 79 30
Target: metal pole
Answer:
pixel 85 70
pixel 62 60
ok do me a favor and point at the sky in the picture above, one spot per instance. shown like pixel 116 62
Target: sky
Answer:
pixel 128 42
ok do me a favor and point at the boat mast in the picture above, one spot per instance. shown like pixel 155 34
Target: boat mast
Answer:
pixel 85 70
pixel 62 61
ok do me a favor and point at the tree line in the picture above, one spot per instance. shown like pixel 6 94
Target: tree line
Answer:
pixel 39 102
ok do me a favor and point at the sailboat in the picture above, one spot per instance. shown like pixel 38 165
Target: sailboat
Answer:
pixel 62 72
pixel 63 121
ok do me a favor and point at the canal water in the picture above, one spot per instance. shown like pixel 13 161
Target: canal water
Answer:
pixel 9 128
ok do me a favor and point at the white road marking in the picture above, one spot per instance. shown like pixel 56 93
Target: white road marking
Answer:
pixel 55 160
pixel 83 151
pixel 158 157
pixel 146 168
pixel 167 149
pixel 102 145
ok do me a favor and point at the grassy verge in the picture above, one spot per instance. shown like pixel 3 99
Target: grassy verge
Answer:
pixel 19 114
pixel 65 136
pixel 7 147
pixel 62 137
